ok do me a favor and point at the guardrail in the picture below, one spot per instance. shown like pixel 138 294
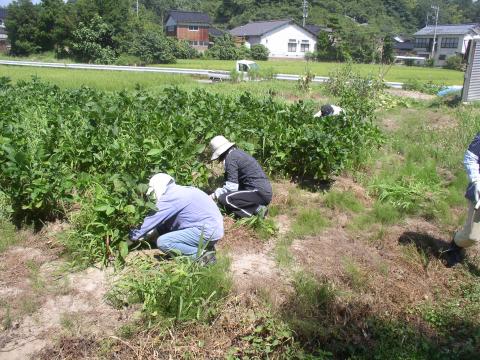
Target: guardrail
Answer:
pixel 151 69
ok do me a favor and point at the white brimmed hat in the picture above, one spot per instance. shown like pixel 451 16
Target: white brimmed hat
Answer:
pixel 158 184
pixel 219 144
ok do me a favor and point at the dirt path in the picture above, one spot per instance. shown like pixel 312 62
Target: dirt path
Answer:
pixel 253 265
pixel 42 301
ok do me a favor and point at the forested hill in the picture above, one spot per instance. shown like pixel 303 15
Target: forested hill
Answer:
pixel 401 16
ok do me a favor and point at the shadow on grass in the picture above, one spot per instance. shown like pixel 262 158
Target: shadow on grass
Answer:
pixel 313 185
pixel 425 243
pixel 324 322
pixel 434 247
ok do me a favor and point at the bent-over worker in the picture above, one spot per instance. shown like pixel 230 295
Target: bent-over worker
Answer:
pixel 329 110
pixel 247 190
pixel 185 215
pixel 469 235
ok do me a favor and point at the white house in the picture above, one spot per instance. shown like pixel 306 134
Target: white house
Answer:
pixel 450 40
pixel 283 38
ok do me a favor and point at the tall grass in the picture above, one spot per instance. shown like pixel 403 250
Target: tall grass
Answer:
pixel 176 290
pixel 426 177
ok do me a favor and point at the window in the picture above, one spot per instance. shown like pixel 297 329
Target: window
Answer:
pixel 422 43
pixel 292 45
pixel 192 27
pixel 304 46
pixel 442 57
pixel 170 28
pixel 449 43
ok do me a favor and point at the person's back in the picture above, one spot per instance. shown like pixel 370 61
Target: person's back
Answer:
pixel 250 174
pixel 186 219
pixel 193 208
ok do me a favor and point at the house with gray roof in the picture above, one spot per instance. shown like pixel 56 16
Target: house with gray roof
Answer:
pixel 283 38
pixel 450 40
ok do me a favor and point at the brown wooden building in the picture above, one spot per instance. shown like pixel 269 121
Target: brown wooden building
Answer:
pixel 191 26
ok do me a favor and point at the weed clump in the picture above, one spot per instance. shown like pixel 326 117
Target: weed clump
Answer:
pixel 175 290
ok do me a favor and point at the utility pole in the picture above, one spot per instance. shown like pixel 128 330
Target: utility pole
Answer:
pixel 437 9
pixel 305 11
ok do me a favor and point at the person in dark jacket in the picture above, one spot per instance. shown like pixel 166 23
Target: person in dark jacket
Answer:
pixel 247 190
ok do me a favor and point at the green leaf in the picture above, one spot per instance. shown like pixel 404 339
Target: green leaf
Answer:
pixel 200 148
pixel 123 248
pixel 154 152
pixel 129 209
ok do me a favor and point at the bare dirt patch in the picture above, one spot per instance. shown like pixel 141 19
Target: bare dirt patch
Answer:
pixel 40 299
pixel 239 239
pixel 226 334
pixel 416 95
pixel 83 311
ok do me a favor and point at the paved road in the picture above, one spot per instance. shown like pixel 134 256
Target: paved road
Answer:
pixel 150 69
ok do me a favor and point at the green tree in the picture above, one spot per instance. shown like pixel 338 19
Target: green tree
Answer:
pixel 387 51
pixel 55 24
pixel 325 48
pixel 22 27
pixel 154 48
pixel 93 42
pixel 259 52
pixel 225 49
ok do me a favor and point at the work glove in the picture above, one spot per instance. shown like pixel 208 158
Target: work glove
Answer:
pixel 131 235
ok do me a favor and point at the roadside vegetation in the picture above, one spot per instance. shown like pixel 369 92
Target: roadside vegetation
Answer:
pixel 347 265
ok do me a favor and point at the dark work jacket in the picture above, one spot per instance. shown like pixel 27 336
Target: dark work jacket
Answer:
pixel 242 169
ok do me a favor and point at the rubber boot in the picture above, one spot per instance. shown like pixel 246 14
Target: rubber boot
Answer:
pixel 453 255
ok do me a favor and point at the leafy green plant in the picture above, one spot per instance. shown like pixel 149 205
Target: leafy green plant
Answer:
pixel 409 195
pixel 259 52
pixel 266 228
pixel 87 155
pixel 428 87
pixel 304 83
pixel 455 62
pixel 176 290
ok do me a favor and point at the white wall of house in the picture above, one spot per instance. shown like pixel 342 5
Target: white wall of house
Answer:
pixel 445 47
pixel 277 41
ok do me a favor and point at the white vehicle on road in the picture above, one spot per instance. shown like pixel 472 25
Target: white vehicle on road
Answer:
pixel 242 67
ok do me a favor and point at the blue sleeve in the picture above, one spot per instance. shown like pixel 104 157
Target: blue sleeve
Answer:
pixel 474 146
pixel 165 212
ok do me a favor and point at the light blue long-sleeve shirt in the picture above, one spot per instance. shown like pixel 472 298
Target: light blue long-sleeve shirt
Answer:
pixel 183 207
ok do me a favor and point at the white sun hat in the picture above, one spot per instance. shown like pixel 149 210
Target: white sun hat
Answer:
pixel 158 184
pixel 219 144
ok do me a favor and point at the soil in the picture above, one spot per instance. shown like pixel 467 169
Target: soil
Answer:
pixel 411 94
pixel 58 302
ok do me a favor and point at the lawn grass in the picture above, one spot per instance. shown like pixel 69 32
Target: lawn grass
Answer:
pixel 155 83
pixel 396 73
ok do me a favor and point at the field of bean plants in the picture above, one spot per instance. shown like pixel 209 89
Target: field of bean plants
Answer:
pixel 87 154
